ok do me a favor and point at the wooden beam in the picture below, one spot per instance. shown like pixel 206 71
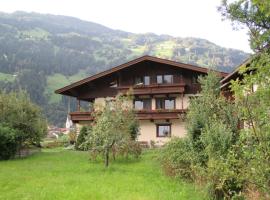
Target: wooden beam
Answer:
pixel 78 105
pixel 182 99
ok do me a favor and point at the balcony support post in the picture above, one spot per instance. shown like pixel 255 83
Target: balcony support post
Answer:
pixel 78 105
pixel 182 100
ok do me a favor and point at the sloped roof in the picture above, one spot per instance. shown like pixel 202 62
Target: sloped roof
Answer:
pixel 234 74
pixel 133 62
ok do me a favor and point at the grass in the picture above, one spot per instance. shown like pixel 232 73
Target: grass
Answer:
pixel 36 33
pixel 62 174
pixel 6 77
pixel 57 81
pixel 165 49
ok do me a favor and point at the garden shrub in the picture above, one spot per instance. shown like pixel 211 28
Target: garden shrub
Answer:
pixel 176 158
pixel 129 147
pixel 8 143
pixel 85 130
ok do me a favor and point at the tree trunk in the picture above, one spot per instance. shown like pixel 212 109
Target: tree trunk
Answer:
pixel 107 157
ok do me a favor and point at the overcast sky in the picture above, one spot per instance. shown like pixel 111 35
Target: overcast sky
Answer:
pixel 180 18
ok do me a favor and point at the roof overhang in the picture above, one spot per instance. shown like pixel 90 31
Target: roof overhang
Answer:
pixel 233 75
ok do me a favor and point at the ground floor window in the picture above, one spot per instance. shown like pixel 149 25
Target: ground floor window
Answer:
pixel 163 130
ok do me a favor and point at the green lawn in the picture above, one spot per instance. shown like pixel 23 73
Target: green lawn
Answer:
pixel 62 174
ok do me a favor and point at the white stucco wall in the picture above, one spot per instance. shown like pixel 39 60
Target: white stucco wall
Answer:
pixel 148 131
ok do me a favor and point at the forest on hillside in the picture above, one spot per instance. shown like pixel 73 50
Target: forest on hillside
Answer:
pixel 40 53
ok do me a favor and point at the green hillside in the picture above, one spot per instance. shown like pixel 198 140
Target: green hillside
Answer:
pixel 46 52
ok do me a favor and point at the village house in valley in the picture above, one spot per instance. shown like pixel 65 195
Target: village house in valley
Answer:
pixel 161 88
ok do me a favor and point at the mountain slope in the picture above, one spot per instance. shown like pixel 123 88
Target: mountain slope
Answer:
pixel 40 53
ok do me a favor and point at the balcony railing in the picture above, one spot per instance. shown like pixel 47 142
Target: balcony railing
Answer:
pixel 159 114
pixel 140 114
pixel 81 116
pixel 154 89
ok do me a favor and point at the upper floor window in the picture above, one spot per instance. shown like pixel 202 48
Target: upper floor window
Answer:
pixel 142 104
pixel 138 80
pixel 146 80
pixel 142 80
pixel 165 103
pixel 159 79
pixel 166 79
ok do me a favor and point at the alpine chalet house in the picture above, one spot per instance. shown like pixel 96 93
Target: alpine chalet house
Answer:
pixel 161 88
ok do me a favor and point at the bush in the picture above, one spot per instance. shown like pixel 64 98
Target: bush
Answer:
pixel 82 137
pixel 22 116
pixel 8 144
pixel 176 158
pixel 130 147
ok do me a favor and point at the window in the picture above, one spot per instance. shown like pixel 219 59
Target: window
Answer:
pixel 163 130
pixel 146 80
pixel 159 79
pixel 165 103
pixel 142 80
pixel 138 80
pixel 142 104
pixel 168 79
pixel 169 103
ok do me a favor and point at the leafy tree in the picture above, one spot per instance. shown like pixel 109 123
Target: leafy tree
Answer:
pixel 252 94
pixel 114 125
pixel 212 132
pixel 18 113
pixel 253 14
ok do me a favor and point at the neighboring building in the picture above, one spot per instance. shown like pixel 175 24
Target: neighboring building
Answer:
pixel 161 88
pixel 233 76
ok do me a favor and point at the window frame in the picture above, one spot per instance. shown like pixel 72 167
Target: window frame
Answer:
pixel 167 75
pixel 163 78
pixel 164 124
pixel 143 101
pixel 142 80
pixel 145 81
pixel 163 103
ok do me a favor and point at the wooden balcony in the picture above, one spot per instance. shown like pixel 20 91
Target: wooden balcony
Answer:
pixel 81 116
pixel 154 89
pixel 140 114
pixel 159 114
